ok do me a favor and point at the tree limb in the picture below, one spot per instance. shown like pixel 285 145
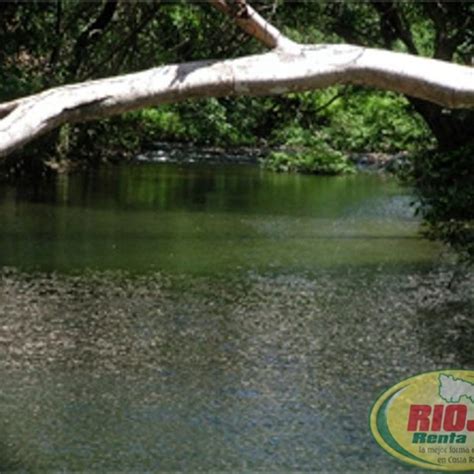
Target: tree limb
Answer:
pixel 392 19
pixel 124 44
pixel 276 72
pixel 254 24
pixel 330 101
pixel 58 32
pixel 92 33
pixel 289 67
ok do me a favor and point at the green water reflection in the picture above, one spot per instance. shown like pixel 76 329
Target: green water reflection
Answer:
pixel 206 219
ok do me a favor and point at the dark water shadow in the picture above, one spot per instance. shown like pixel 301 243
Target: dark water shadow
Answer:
pixel 446 331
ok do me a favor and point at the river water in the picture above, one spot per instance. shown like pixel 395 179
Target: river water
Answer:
pixel 214 317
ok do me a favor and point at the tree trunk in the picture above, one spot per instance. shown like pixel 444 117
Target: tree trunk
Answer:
pixel 451 128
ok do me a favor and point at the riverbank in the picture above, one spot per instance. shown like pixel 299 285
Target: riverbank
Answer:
pixel 185 153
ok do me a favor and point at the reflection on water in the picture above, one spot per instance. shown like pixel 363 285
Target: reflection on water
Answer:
pixel 206 219
pixel 244 321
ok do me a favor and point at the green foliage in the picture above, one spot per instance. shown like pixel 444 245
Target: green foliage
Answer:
pixel 443 184
pixel 375 121
pixel 229 121
pixel 319 159
pixel 306 152
pixel 208 122
pixel 221 122
pixel 309 162
pixel 357 120
pixel 163 123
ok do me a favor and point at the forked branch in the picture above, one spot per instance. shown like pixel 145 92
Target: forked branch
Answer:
pixel 289 67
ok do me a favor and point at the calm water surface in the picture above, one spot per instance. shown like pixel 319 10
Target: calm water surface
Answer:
pixel 198 317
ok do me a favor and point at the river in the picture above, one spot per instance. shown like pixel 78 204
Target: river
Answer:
pixel 214 317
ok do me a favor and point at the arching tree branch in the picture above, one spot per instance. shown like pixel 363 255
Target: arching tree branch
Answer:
pixel 289 67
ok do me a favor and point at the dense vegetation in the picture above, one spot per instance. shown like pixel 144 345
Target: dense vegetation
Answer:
pixel 443 182
pixel 51 43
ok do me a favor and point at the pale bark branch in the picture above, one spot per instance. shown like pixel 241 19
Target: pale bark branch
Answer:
pixel 254 24
pixel 8 107
pixel 276 72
